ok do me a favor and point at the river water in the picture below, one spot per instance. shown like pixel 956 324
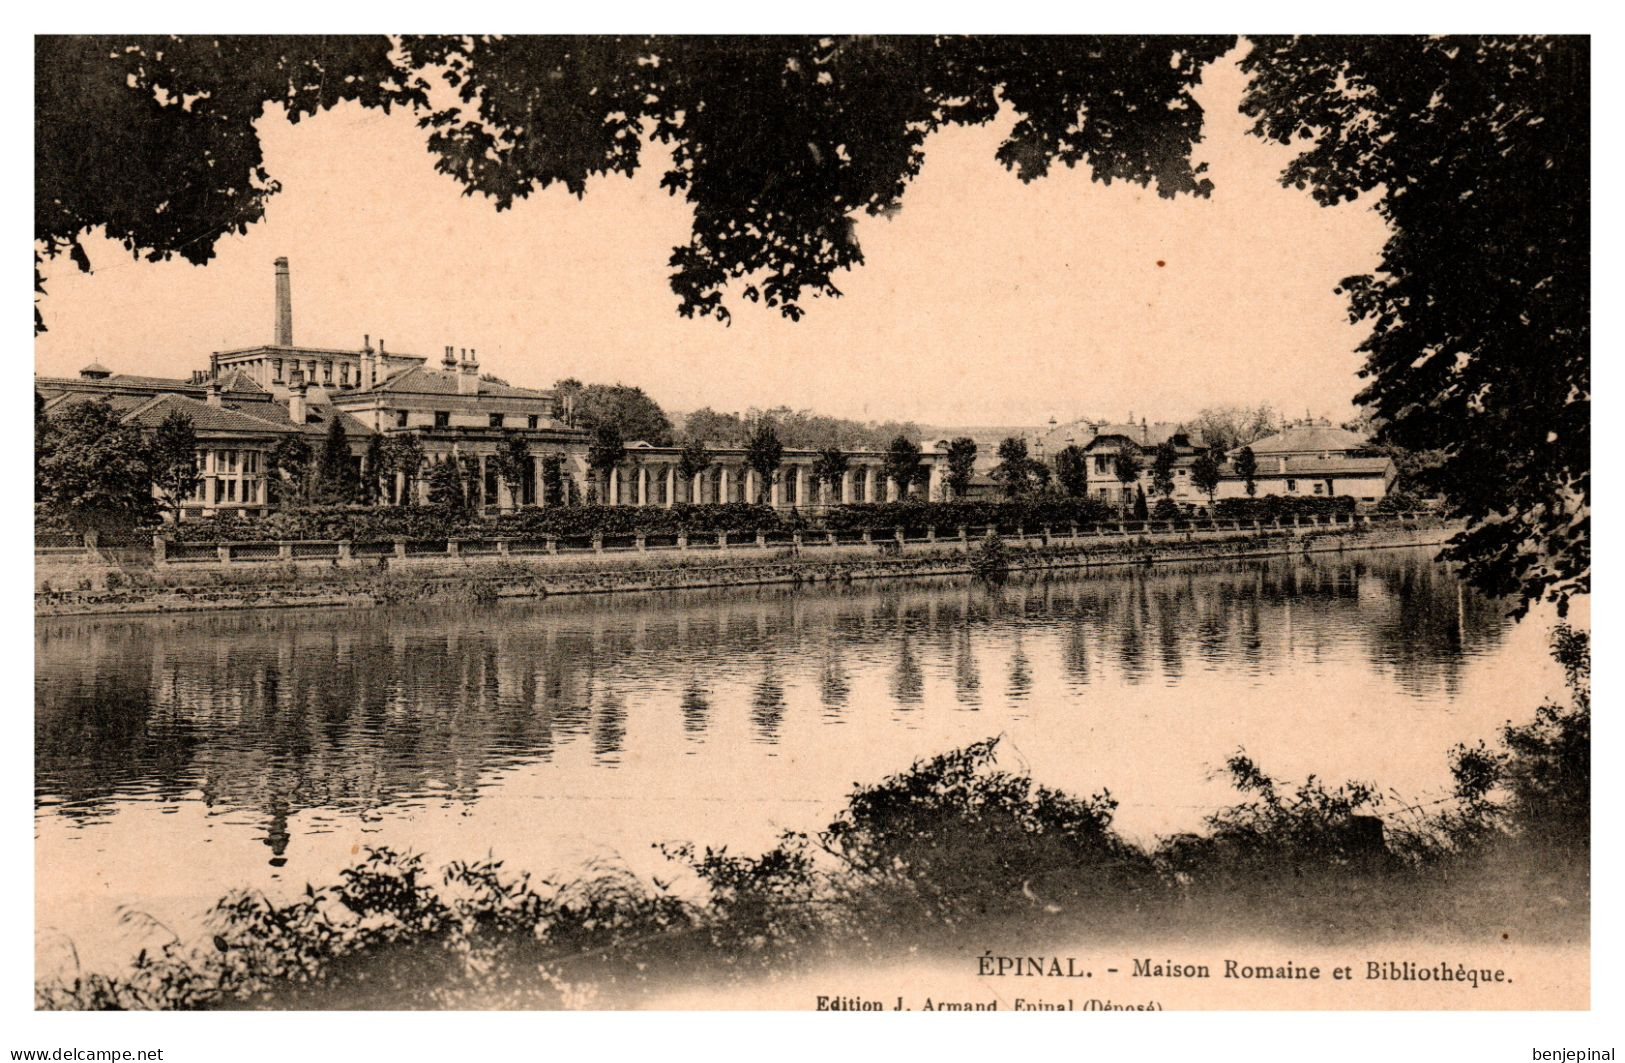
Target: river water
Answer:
pixel 179 757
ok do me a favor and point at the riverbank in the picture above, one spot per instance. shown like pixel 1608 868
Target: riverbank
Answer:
pixel 95 586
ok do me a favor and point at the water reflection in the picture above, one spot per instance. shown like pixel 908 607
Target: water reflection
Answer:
pixel 279 713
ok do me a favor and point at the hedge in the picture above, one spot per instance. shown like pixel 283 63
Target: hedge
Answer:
pixel 1285 507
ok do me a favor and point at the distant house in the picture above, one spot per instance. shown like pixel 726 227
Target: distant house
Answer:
pixel 1313 458
pixel 1142 439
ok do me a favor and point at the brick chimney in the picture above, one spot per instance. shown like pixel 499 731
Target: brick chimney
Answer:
pixel 468 376
pixel 212 392
pixel 368 369
pixel 284 305
pixel 297 410
pixel 449 362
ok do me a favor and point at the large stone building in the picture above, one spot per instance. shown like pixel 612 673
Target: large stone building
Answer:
pixel 250 399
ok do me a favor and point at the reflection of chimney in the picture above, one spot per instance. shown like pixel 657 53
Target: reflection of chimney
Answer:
pixel 297 411
pixel 284 305
pixel 468 380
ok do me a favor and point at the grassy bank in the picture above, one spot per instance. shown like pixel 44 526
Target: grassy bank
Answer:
pixel 954 849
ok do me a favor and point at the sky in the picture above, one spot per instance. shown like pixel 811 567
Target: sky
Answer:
pixel 982 301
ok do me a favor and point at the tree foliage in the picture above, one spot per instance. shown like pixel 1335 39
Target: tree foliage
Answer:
pixel 1162 469
pixel 95 474
pixel 174 461
pixel 336 479
pixel 763 453
pixel 1247 469
pixel 830 467
pixel 1014 471
pixel 1480 307
pixel 961 458
pixel 902 466
pixel 1072 470
pixel 1226 427
pixel 154 141
pixel 629 410
pixel 1206 474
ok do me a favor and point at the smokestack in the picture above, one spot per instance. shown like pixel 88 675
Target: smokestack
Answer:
pixel 365 376
pixel 450 360
pixel 284 305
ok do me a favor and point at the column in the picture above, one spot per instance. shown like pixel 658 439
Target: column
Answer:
pixel 696 493
pixel 613 492
pixel 801 486
pixel 752 491
pixel 775 488
pixel 643 485
pixel 725 485
pixel 843 491
pixel 934 485
pixel 541 480
pixel 671 486
pixel 868 483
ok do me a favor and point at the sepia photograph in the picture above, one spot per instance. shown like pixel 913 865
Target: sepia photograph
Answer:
pixel 812 523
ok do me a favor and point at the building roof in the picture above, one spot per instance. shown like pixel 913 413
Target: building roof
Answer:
pixel 1309 438
pixel 1146 434
pixel 1311 467
pixel 237 380
pixel 420 380
pixel 205 418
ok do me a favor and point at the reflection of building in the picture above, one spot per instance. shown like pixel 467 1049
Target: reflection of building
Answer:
pixel 251 398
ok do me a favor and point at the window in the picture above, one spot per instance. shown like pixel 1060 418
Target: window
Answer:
pixel 496 420
pixel 231 490
pixel 1318 487
pixel 534 421
pixel 344 374
pixel 400 419
pixel 277 365
pixel 327 372
pixel 442 419
pixel 1291 485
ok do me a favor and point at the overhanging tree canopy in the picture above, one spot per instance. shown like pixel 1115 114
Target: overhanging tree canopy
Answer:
pixel 1475 150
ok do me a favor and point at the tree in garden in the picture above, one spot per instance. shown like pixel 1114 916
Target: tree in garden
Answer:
pixel 902 464
pixel 513 464
pixel 1224 428
pixel 1041 475
pixel 175 461
pixel 627 409
pixel 473 481
pixel 1127 467
pixel 1205 475
pixel 1015 469
pixel 374 466
pixel 97 475
pixel 553 485
pixel 830 467
pixel 446 487
pixel 1162 469
pixel 1072 471
pixel 1247 469
pixel 961 466
pixel 693 460
pixel 44 439
pixel 287 471
pixel 336 479
pixel 607 450
pixel 406 457
pixel 1141 510
pixel 763 453
pixel 706 425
